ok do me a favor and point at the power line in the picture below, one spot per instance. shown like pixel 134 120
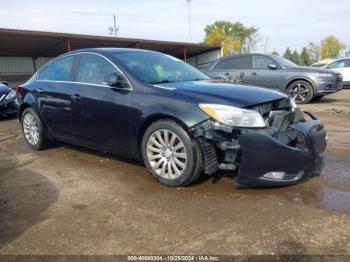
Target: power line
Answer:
pixel 189 18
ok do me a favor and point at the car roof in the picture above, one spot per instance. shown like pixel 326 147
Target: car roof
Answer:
pixel 109 50
pixel 238 55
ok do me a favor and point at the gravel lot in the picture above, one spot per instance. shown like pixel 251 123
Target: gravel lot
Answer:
pixel 69 200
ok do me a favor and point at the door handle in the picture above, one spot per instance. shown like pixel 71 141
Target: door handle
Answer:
pixel 254 73
pixel 241 75
pixel 39 90
pixel 76 97
pixel 227 73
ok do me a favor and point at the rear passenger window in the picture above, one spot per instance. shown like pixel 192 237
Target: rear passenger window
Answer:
pixel 261 62
pixel 221 65
pixel 94 69
pixel 58 71
pixel 239 62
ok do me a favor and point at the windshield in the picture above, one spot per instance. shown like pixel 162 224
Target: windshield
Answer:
pixel 284 62
pixel 155 68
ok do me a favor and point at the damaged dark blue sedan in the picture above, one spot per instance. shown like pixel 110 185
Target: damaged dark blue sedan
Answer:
pixel 8 106
pixel 155 108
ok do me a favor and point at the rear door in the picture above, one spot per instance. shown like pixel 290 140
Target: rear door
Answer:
pixel 219 70
pixel 238 67
pixel 98 110
pixel 262 75
pixel 53 93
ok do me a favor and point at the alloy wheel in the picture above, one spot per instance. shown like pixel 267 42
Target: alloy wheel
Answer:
pixel 31 129
pixel 166 154
pixel 299 92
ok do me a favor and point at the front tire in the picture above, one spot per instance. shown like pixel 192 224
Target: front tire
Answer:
pixel 170 155
pixel 33 130
pixel 301 91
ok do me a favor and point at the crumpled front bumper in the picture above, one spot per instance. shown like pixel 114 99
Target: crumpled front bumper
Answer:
pixel 261 154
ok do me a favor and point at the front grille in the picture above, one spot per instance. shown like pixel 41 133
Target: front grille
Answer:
pixel 266 108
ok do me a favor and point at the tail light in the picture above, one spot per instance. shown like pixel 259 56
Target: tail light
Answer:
pixel 18 90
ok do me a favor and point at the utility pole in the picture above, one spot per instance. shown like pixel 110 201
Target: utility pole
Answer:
pixel 189 19
pixel 115 25
pixel 265 49
pixel 113 30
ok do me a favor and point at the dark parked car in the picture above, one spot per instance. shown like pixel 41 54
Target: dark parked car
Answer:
pixel 156 108
pixel 7 100
pixel 271 71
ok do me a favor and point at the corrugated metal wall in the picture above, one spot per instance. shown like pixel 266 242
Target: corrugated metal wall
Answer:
pixel 16 65
pixel 40 61
pixel 204 60
pixel 16 70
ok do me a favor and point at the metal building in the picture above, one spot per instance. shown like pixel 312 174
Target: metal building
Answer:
pixel 23 52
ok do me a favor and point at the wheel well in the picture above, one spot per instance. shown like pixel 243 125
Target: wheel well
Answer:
pixel 157 118
pixel 300 79
pixel 21 109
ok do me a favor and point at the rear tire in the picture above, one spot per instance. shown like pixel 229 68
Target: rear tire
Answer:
pixel 33 130
pixel 170 155
pixel 301 91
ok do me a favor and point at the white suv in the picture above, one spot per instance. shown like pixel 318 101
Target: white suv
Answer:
pixel 342 66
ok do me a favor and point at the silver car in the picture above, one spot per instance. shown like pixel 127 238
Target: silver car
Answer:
pixel 271 71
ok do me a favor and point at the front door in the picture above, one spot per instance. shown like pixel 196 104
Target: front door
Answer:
pixel 98 110
pixel 262 75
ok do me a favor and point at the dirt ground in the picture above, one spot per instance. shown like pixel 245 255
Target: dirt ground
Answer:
pixel 68 200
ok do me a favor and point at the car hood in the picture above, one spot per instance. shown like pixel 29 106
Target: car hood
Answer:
pixel 213 91
pixel 4 90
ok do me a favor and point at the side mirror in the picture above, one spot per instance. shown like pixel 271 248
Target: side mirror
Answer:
pixel 272 67
pixel 5 83
pixel 115 80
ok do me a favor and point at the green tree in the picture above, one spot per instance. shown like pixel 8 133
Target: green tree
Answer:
pixel 331 47
pixel 274 52
pixel 233 37
pixel 288 54
pixel 304 58
pixel 295 57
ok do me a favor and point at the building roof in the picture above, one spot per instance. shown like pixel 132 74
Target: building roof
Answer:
pixel 15 42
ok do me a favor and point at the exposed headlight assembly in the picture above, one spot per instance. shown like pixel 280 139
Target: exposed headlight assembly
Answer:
pixel 11 95
pixel 233 116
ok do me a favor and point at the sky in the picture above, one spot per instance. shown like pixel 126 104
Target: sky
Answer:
pixel 286 23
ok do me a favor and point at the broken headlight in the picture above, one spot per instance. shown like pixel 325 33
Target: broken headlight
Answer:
pixel 10 95
pixel 233 116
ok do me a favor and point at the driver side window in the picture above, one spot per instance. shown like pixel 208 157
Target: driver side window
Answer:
pixel 94 69
pixel 261 62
